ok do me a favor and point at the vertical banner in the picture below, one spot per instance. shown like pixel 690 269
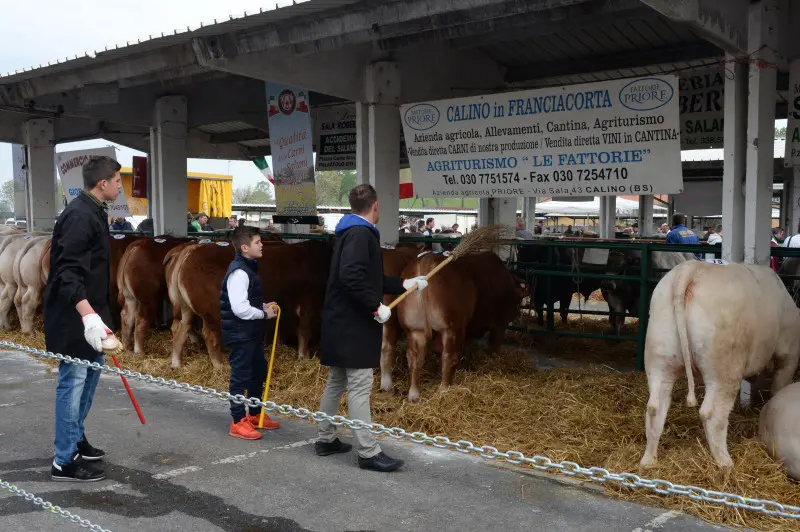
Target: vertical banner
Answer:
pixel 292 155
pixel 20 176
pixel 792 156
pixel 335 134
pixel 139 180
pixel 701 99
pixel 70 169
pixel 596 139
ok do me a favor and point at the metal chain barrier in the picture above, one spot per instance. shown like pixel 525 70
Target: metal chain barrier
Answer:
pixel 38 501
pixel 542 463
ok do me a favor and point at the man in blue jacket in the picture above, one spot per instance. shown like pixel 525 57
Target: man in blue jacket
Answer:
pixel 352 319
pixel 680 234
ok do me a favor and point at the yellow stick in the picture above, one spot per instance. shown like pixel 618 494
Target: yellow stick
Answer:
pixel 411 290
pixel 269 371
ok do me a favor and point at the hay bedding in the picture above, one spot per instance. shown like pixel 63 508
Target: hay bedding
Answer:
pixel 592 415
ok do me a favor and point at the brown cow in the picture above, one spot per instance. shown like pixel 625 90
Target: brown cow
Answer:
pixel 142 286
pixel 293 275
pixel 394 260
pixel 472 295
pixel 118 244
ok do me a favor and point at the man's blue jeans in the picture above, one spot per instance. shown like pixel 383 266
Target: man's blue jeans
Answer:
pixel 74 394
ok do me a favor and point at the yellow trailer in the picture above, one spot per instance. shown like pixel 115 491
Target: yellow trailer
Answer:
pixel 208 193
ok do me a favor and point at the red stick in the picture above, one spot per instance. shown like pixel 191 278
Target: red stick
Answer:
pixel 130 393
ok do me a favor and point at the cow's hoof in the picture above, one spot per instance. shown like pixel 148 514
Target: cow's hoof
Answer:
pixel 725 464
pixel 413 397
pixel 176 365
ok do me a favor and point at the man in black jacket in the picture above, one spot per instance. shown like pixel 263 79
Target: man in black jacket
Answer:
pixel 76 311
pixel 351 338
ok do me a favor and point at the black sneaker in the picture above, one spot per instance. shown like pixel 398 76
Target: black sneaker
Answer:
pixel 325 448
pixel 380 462
pixel 88 452
pixel 77 470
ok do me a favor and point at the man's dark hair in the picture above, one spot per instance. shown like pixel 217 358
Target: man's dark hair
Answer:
pixel 362 198
pixel 243 235
pixel 97 169
pixel 678 219
pixel 420 224
pixel 429 220
pixel 776 230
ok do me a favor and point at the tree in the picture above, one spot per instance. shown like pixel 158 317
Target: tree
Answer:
pixel 7 196
pixel 261 193
pixel 334 186
pixel 780 132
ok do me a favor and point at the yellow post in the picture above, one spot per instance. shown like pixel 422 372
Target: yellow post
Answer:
pixel 269 370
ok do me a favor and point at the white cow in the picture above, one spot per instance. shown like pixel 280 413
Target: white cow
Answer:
pixel 779 428
pixel 726 321
pixel 11 246
pixel 30 285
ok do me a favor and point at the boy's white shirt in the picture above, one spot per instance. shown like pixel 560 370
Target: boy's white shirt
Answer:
pixel 237 285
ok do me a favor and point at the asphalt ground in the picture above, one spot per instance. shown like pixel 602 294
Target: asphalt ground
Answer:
pixel 181 471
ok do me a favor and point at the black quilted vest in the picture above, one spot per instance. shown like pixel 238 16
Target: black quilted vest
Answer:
pixel 235 329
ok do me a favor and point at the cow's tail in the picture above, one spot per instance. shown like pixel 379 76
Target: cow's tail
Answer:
pixel 680 286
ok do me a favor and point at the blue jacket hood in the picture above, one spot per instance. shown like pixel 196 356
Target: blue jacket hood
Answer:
pixel 353 220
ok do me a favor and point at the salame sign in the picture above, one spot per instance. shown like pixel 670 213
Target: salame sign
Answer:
pixel 611 138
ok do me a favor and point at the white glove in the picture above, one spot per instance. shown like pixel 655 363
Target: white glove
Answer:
pixel 383 314
pixel 421 282
pixel 95 331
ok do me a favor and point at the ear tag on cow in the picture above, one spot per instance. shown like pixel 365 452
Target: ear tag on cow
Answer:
pixel 205 241
pixel 423 254
pixel 721 262
pixel 119 237
pixel 387 246
pixel 160 240
pixel 223 243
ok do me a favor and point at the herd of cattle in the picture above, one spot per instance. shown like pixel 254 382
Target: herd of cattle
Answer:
pixel 696 320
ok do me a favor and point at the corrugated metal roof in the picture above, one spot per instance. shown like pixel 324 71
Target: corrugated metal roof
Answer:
pixel 257 143
pixel 225 127
pixel 282 10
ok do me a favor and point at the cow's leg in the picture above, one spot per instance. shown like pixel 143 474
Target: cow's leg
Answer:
pixel 18 302
pixel 563 306
pixel 179 336
pixel 496 336
pixel 785 368
pixel 6 302
pixel 211 336
pixel 28 307
pixel 717 405
pixel 388 343
pixel 129 316
pixel 143 316
pixel 417 345
pixel 452 340
pixel 660 384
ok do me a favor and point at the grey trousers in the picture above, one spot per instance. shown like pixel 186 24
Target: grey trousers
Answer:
pixel 358 384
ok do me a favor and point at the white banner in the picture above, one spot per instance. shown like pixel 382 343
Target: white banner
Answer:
pixel 792 156
pixel 70 169
pixel 335 135
pixel 702 102
pixel 601 139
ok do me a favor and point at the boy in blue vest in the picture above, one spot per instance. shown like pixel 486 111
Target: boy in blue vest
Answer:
pixel 242 312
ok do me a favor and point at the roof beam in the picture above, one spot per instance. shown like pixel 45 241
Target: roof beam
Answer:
pixel 615 61
pixel 721 22
pixel 237 136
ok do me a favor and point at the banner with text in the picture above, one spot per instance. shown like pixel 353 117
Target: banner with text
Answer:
pixel 70 168
pixel 292 154
pixel 701 100
pixel 601 139
pixel 335 138
pixel 792 156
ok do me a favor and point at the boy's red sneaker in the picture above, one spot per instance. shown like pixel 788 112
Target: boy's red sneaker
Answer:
pixel 244 430
pixel 268 423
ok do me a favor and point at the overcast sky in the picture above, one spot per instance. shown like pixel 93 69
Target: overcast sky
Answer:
pixel 35 33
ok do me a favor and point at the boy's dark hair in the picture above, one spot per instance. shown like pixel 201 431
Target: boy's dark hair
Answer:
pixel 362 198
pixel 243 236
pixel 97 169
pixel 678 219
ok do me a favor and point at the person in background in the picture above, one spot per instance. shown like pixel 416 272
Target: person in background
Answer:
pixel 232 223
pixel 539 229
pixel 76 311
pixel 429 225
pixel 664 229
pixel 521 232
pixel 777 240
pixel 199 222
pixel 146 227
pixel 121 224
pixel 714 239
pixel 420 226
pixel 352 318
pixel 242 221
pixel 680 234
pixel 455 229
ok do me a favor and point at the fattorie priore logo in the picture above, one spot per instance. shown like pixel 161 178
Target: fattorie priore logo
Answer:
pixel 646 94
pixel 421 116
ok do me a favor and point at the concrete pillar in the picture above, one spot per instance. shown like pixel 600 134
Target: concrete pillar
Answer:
pixel 152 170
pixel 484 212
pixel 646 216
pixel 362 143
pixel 383 96
pixel 169 193
pixel 41 185
pixel 19 173
pixel 762 40
pixel 529 213
pixel 735 159
pixel 608 216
